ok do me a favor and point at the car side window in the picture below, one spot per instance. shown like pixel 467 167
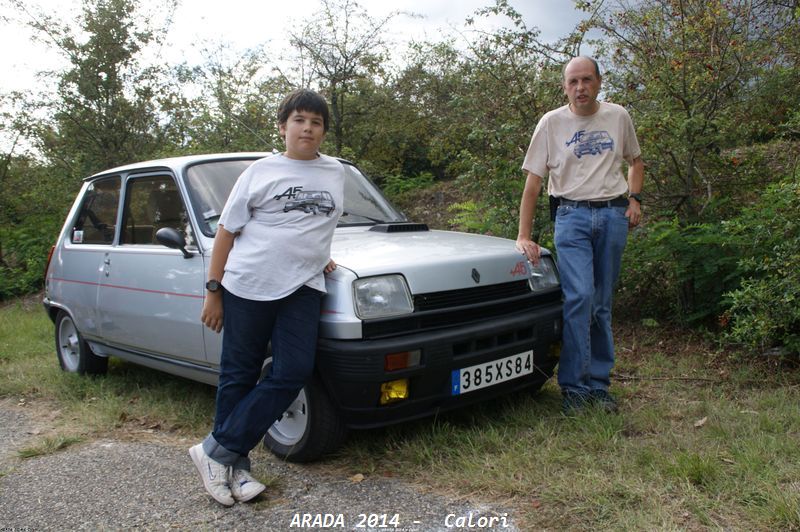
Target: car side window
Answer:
pixel 97 217
pixel 153 202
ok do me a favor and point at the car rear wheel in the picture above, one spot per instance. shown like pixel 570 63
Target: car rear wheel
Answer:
pixel 309 429
pixel 74 354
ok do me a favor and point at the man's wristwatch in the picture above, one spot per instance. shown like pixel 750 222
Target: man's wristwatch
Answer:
pixel 213 285
pixel 637 196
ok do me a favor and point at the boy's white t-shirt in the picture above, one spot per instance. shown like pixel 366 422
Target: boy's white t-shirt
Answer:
pixel 583 154
pixel 285 211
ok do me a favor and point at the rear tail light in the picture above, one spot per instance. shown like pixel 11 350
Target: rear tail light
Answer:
pixel 47 264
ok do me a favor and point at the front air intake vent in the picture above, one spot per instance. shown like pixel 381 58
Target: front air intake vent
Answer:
pixel 399 228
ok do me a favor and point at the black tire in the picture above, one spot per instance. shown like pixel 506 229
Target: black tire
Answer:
pixel 309 429
pixel 74 354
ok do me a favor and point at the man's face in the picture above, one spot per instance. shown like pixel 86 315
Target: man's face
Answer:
pixel 303 132
pixel 581 85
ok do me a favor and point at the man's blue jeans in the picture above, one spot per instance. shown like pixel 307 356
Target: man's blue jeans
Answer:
pixel 589 243
pixel 247 407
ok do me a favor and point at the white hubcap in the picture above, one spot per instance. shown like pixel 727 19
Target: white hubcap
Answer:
pixel 290 428
pixel 70 348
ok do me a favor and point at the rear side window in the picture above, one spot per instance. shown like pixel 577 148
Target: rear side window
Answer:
pixel 153 202
pixel 97 217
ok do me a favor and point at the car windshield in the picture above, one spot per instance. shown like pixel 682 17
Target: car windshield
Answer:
pixel 363 201
pixel 210 183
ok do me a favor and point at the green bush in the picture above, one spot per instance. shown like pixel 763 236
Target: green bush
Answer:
pixel 743 273
pixel 765 310
pixel 496 187
pixel 396 185
pixel 677 273
pixel 24 253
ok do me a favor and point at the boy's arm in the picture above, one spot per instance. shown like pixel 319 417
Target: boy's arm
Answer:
pixel 212 306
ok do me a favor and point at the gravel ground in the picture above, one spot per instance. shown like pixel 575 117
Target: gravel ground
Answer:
pixel 152 485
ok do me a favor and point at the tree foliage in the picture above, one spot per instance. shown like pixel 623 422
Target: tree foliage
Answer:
pixel 105 112
pixel 339 49
pixel 693 72
pixel 236 104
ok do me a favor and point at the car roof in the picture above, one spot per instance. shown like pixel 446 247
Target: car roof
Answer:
pixel 180 161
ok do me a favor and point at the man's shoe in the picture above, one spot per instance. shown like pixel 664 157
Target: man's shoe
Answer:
pixel 573 402
pixel 216 477
pixel 244 487
pixel 604 400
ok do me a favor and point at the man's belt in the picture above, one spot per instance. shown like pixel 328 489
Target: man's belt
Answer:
pixel 619 201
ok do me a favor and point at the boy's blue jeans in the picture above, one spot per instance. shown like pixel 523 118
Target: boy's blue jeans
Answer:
pixel 246 408
pixel 589 242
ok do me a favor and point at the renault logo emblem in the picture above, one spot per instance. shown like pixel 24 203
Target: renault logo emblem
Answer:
pixel 476 276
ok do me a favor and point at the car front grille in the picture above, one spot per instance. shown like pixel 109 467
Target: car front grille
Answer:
pixel 438 310
pixel 470 296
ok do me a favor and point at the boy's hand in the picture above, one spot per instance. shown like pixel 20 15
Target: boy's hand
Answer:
pixel 330 267
pixel 212 311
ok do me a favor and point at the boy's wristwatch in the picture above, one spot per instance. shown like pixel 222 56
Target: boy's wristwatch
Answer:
pixel 213 285
pixel 637 196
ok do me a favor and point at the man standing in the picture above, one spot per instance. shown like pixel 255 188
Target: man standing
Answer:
pixel 581 146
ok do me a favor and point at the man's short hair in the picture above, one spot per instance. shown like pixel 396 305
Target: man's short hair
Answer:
pixel 596 66
pixel 304 100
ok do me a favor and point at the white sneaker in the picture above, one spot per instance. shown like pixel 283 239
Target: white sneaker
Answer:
pixel 244 487
pixel 216 477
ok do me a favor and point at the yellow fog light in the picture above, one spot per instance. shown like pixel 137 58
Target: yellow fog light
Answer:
pixel 394 391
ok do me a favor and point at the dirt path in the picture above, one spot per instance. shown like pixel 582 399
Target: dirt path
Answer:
pixel 150 484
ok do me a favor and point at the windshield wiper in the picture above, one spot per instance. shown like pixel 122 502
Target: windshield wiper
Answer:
pixel 370 218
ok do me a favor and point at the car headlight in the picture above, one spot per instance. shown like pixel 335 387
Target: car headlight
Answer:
pixel 379 297
pixel 544 275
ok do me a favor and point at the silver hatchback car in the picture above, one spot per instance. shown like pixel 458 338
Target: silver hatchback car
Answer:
pixel 415 321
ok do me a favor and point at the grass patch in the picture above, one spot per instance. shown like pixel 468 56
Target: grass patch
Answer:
pixel 49 445
pixel 704 439
pixel 129 397
pixel 698 444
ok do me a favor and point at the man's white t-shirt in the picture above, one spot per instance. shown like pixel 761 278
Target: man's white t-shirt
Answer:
pixel 582 155
pixel 285 211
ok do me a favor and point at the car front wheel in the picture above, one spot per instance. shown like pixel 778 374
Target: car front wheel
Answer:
pixel 309 429
pixel 74 354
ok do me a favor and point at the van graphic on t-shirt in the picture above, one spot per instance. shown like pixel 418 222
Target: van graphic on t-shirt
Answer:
pixel 592 143
pixel 312 202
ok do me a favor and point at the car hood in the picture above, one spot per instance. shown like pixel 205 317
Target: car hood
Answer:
pixel 431 261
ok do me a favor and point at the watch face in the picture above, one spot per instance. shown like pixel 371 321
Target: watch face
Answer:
pixel 212 286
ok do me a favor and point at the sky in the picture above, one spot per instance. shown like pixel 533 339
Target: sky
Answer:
pixel 245 24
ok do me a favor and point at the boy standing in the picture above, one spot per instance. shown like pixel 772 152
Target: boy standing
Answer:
pixel 265 283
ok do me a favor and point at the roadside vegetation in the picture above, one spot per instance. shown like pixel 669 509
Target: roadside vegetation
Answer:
pixel 706 438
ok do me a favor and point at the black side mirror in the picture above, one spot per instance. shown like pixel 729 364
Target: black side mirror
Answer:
pixel 172 238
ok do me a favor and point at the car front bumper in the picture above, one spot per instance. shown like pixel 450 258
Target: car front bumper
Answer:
pixel 353 370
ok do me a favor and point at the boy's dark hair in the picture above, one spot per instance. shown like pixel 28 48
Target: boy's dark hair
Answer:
pixel 304 100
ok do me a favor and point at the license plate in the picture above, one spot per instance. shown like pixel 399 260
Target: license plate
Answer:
pixel 490 373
